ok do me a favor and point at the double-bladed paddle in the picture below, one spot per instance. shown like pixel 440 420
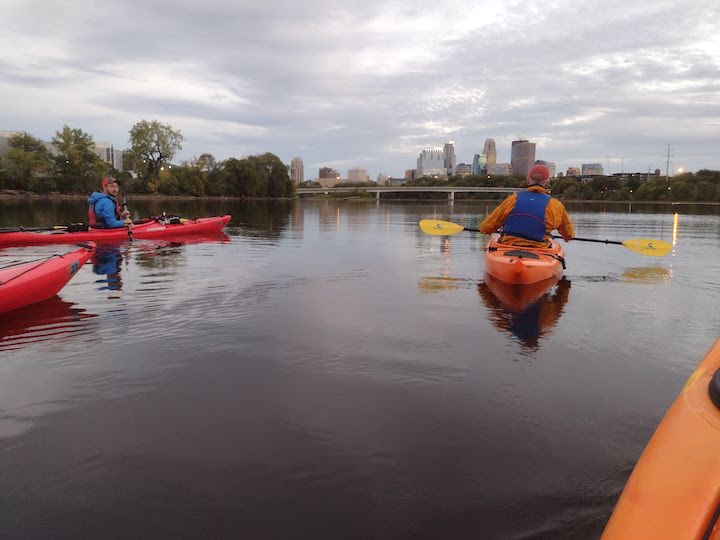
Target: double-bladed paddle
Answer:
pixel 33 229
pixel 129 225
pixel 644 246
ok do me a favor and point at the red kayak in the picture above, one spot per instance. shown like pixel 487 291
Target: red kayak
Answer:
pixel 148 229
pixel 27 283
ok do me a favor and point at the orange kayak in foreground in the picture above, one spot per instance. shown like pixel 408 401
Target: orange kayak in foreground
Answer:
pixel 522 265
pixel 674 490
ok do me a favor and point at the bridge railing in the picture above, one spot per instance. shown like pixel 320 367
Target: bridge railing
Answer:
pixel 450 190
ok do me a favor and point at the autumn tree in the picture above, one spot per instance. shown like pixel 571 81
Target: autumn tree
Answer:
pixel 77 166
pixel 26 163
pixel 152 145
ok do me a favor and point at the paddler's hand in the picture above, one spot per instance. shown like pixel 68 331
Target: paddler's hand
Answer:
pixel 128 221
pixel 125 214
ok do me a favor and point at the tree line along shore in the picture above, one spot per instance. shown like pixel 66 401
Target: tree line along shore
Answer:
pixel 70 167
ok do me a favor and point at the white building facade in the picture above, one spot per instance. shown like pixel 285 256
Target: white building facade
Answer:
pixel 431 162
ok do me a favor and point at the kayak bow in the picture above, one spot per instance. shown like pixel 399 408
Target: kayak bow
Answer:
pixel 27 283
pixel 674 490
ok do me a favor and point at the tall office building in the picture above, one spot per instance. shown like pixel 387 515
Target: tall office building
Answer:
pixel 522 157
pixel 357 174
pixel 479 164
pixel 327 172
pixel 431 162
pixel 499 169
pixel 463 169
pixel 490 151
pixel 107 152
pixel 592 169
pixel 573 171
pixel 449 158
pixel 297 171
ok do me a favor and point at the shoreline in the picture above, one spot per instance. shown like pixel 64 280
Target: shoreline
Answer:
pixel 15 195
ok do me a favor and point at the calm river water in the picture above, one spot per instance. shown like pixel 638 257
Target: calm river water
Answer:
pixel 329 371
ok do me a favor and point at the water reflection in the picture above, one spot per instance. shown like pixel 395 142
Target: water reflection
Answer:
pixel 107 261
pixel 430 284
pixel 528 312
pixel 648 274
pixel 51 320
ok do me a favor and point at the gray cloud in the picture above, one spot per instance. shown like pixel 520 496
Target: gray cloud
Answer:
pixel 373 83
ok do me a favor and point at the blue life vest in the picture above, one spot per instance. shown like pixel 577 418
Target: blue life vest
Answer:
pixel 527 218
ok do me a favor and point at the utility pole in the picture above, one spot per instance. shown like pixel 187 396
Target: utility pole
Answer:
pixel 667 164
pixel 608 164
pixel 622 164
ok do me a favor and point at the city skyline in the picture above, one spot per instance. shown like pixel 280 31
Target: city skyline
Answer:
pixel 601 83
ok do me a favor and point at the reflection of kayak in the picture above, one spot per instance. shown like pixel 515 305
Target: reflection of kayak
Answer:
pixel 146 230
pixel 528 312
pixel 522 265
pixel 517 297
pixel 674 490
pixel 27 283
pixel 49 320
pixel 199 238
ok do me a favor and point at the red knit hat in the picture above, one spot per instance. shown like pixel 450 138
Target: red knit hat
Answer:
pixel 538 174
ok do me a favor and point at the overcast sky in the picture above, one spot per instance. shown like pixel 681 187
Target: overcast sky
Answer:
pixel 372 83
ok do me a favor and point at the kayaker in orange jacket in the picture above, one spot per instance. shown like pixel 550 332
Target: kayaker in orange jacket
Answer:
pixel 528 217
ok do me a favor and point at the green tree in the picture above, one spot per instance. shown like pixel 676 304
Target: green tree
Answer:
pixel 186 179
pixel 277 180
pixel 254 176
pixel 77 166
pixel 206 163
pixel 27 163
pixel 155 144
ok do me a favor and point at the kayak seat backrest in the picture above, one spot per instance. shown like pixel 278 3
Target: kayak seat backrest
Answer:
pixel 714 389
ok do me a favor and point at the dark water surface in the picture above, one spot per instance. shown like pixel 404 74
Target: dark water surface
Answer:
pixel 331 372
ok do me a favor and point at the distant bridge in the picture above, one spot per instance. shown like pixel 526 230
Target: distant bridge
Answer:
pixel 450 190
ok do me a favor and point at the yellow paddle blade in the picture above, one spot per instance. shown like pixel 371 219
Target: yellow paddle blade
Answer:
pixel 648 246
pixel 440 228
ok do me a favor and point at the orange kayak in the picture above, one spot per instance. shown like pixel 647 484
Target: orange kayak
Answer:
pixel 674 490
pixel 522 265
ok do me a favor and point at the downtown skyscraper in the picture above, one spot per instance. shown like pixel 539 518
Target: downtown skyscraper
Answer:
pixel 490 151
pixel 297 171
pixel 449 158
pixel 522 157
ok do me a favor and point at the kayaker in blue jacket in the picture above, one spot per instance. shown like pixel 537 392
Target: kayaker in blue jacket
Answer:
pixel 103 210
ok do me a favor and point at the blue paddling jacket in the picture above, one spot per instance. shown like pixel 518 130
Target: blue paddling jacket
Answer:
pixel 103 211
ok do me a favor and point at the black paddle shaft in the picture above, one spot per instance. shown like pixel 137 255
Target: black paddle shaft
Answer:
pixel 591 240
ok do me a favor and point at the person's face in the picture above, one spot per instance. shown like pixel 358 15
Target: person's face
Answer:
pixel 112 189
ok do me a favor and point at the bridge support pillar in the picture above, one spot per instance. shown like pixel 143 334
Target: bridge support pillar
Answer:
pixel 377 195
pixel 451 196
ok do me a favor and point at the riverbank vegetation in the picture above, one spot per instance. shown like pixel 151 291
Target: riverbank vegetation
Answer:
pixel 69 165
pixel 700 186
